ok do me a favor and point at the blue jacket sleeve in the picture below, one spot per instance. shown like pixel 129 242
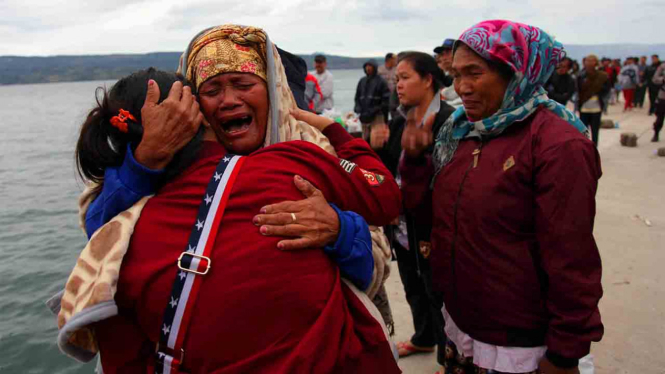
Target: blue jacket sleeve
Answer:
pixel 353 249
pixel 123 187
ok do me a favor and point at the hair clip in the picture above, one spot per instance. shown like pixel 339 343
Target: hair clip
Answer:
pixel 120 121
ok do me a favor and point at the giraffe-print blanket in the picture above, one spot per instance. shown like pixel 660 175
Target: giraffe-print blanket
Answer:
pixel 89 293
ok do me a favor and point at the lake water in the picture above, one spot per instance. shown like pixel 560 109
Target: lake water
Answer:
pixel 39 234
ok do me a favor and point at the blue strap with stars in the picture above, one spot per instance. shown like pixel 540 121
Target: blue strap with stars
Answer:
pixel 192 263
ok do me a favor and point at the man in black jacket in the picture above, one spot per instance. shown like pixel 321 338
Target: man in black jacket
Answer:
pixel 653 88
pixel 561 85
pixel 372 98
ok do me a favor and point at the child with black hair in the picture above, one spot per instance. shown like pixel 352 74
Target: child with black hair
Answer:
pixel 114 126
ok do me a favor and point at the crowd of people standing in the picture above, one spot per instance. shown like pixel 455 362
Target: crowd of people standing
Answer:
pixel 591 88
pixel 600 82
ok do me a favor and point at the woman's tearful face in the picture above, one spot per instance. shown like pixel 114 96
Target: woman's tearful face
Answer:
pixel 236 106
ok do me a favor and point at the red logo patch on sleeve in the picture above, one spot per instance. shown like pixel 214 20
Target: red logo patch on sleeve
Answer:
pixel 372 178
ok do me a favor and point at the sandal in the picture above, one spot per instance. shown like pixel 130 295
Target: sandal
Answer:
pixel 407 348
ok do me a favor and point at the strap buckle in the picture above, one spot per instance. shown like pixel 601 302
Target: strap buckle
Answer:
pixel 200 257
pixel 166 358
pixel 168 352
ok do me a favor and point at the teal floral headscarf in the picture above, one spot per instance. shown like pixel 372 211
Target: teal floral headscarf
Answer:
pixel 533 56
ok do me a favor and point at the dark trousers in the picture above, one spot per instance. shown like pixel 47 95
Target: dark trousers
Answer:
pixel 592 121
pixel 660 117
pixel 640 94
pixel 425 303
pixel 653 96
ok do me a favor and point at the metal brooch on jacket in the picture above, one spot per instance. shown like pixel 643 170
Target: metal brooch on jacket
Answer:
pixel 510 162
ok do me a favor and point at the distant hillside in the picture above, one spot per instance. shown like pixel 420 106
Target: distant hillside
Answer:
pixel 23 70
pixel 26 70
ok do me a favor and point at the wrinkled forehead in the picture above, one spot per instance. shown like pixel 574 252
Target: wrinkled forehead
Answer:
pixel 232 78
pixel 466 58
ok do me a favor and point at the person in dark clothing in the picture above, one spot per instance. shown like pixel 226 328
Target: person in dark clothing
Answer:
pixel 653 88
pixel 610 97
pixel 659 81
pixel 641 89
pixel 444 57
pixel 296 71
pixel 561 86
pixel 393 102
pixel 418 85
pixel 372 98
pixel 593 85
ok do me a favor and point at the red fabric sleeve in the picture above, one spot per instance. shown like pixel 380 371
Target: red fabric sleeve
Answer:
pixel 337 135
pixel 360 153
pixel 122 345
pixel 368 190
pixel 566 180
pixel 354 150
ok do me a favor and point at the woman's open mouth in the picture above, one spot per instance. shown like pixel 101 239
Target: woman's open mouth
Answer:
pixel 237 126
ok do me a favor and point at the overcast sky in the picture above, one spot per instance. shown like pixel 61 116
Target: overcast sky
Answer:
pixel 351 28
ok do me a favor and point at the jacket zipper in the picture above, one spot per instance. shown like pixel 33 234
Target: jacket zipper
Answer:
pixel 472 165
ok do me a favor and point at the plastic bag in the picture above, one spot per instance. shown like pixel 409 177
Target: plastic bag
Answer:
pixel 586 365
pixel 352 122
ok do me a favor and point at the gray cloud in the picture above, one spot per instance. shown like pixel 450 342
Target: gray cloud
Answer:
pixel 31 16
pixel 350 27
pixel 391 11
pixel 654 4
pixel 210 13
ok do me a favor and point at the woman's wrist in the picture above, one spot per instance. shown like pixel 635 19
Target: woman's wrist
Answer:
pixel 150 159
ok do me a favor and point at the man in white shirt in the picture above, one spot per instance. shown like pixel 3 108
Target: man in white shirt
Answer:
pixel 325 79
pixel 444 58
pixel 387 70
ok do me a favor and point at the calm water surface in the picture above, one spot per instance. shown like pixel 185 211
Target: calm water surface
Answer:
pixel 39 234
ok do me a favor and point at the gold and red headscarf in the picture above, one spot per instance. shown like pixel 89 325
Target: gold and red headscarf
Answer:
pixel 246 49
pixel 226 49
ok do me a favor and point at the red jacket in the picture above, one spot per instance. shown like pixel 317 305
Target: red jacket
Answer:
pixel 513 247
pixel 312 101
pixel 259 310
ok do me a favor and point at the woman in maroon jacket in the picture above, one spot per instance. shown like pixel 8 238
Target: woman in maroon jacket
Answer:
pixel 514 180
